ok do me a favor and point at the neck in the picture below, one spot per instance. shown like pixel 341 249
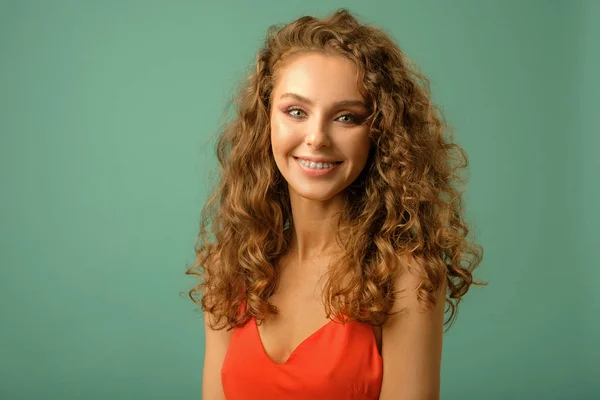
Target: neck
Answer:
pixel 314 229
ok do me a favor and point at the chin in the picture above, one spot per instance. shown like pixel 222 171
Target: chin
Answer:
pixel 315 195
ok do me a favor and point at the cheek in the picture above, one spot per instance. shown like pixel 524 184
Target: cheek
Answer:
pixel 275 140
pixel 360 148
pixel 282 137
pixel 278 143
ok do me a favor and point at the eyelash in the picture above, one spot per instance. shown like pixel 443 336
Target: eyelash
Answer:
pixel 354 117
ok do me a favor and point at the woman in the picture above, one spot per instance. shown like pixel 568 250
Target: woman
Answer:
pixel 335 236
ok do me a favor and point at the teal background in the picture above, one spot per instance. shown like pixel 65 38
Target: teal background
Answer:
pixel 106 114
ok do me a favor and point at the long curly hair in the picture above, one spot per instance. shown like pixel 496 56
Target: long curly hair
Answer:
pixel 405 205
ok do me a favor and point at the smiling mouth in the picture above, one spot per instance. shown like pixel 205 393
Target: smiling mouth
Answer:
pixel 317 164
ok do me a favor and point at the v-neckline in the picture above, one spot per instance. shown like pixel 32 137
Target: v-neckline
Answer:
pixel 311 336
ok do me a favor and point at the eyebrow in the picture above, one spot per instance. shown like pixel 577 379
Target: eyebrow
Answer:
pixel 343 103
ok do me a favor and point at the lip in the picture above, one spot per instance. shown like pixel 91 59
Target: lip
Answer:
pixel 317 159
pixel 315 172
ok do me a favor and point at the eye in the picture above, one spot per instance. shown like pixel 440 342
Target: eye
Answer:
pixel 289 110
pixel 353 118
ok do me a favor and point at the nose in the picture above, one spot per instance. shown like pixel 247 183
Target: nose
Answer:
pixel 317 135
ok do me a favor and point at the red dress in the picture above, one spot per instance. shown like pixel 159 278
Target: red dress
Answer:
pixel 335 362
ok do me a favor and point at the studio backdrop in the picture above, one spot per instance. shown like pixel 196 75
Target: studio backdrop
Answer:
pixel 108 112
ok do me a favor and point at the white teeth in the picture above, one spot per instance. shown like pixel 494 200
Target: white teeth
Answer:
pixel 314 165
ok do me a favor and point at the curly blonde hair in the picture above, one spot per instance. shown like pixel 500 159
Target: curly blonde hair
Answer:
pixel 405 205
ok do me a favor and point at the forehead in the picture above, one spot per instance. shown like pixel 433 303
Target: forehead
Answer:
pixel 317 75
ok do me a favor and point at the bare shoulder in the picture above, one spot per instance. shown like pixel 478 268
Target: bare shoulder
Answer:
pixel 217 342
pixel 412 341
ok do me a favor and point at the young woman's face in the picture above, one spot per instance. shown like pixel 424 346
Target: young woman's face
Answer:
pixel 319 139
